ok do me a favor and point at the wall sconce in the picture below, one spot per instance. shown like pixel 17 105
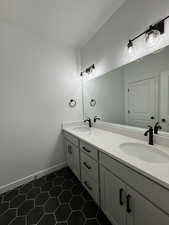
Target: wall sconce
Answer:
pixel 90 71
pixel 152 34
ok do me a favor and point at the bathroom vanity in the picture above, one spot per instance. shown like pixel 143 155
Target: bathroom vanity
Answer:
pixel 125 176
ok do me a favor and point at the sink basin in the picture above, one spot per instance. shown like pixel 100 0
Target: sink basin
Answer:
pixel 146 153
pixel 81 129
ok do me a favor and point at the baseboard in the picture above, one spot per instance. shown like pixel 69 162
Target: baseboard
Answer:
pixel 31 177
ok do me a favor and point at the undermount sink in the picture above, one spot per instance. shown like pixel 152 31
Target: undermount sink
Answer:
pixel 146 153
pixel 81 129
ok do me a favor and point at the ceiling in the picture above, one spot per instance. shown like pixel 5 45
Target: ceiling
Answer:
pixel 71 22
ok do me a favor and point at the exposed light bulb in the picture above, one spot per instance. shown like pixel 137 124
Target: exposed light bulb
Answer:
pixel 152 37
pixel 130 46
pixel 93 70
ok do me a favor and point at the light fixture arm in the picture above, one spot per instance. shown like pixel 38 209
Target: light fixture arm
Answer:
pixel 158 26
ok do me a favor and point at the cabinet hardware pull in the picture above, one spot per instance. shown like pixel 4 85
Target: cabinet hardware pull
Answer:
pixel 128 203
pixel 87 150
pixel 120 196
pixel 86 184
pixel 87 166
pixel 70 149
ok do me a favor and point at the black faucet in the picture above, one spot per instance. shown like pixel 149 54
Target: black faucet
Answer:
pixel 150 132
pixel 89 121
pixel 96 118
pixel 157 127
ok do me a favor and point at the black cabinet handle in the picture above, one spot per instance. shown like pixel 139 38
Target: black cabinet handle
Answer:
pixel 163 120
pixel 120 196
pixel 86 165
pixel 70 149
pixel 86 150
pixel 88 186
pixel 128 203
pixel 152 117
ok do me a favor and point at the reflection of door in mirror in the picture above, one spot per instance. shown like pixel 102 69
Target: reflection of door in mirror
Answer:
pixel 164 101
pixel 142 102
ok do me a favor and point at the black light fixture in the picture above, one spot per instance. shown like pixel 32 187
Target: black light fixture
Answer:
pixel 130 46
pixel 88 71
pixel 151 34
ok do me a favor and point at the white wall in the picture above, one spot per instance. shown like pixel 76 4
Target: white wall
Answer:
pixel 37 79
pixel 107 49
pixel 108 91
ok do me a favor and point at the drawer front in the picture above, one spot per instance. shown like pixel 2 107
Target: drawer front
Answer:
pixel 91 186
pixel 71 138
pixel 89 150
pixel 89 165
pixel 151 190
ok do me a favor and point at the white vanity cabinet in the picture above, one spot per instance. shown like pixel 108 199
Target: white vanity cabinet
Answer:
pixel 141 211
pixel 126 196
pixel 72 154
pixel 121 203
pixel 112 197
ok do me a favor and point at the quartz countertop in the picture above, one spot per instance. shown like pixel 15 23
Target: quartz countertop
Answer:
pixel 109 143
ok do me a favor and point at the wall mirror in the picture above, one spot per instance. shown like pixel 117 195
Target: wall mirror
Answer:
pixel 136 94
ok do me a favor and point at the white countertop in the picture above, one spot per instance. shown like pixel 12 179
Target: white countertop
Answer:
pixel 109 143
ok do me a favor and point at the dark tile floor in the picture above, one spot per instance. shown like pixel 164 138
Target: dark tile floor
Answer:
pixel 55 199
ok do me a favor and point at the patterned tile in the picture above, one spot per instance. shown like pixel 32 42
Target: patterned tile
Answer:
pixel 65 196
pixel 51 205
pixel 33 193
pixel 48 219
pixel 8 216
pixel 76 203
pixel 56 199
pixel 63 212
pixel 25 207
pixel 17 201
pixel 34 215
pixel 19 221
pixel 41 198
pixel 3 207
pixel 76 218
pixel 90 209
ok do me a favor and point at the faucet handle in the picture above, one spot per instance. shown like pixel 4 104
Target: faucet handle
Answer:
pixel 96 118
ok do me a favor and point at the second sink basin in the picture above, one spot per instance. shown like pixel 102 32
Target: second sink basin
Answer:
pixel 146 153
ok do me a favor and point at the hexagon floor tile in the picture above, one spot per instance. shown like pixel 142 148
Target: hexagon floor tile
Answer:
pixel 55 199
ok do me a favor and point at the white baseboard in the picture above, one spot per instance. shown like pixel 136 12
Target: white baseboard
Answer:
pixel 31 177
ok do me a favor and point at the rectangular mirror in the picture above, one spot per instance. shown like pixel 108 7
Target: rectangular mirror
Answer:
pixel 136 94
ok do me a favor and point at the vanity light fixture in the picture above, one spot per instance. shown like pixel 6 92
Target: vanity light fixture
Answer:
pixel 152 34
pixel 130 46
pixel 88 71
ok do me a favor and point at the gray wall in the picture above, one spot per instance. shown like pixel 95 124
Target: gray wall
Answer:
pixel 37 79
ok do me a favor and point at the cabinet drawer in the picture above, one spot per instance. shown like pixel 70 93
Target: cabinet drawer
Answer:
pixel 91 186
pixel 148 188
pixel 90 150
pixel 89 165
pixel 71 138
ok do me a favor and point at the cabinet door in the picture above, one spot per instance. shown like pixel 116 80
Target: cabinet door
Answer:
pixel 72 157
pixel 112 197
pixel 140 211
pixel 142 108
